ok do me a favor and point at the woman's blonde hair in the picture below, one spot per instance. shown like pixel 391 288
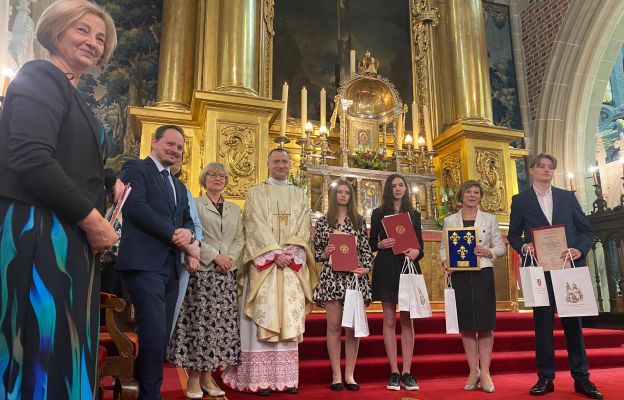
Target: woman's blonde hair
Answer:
pixel 61 14
pixel 210 168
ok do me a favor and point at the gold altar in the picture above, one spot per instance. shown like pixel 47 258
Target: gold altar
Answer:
pixel 215 81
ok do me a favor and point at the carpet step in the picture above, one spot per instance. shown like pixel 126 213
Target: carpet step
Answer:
pixel 439 343
pixel 505 321
pixel 375 369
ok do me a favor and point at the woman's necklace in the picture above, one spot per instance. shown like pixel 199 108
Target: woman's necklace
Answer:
pixel 215 203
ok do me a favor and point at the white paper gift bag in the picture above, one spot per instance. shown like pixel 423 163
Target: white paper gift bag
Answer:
pixel 413 295
pixel 354 311
pixel 450 309
pixel 533 282
pixel 573 290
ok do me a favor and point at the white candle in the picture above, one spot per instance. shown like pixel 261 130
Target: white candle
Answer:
pixel 323 96
pixel 304 109
pixel 352 62
pixel 571 180
pixel 284 109
pixel 428 136
pixel 415 127
pixel 421 141
pixel 593 169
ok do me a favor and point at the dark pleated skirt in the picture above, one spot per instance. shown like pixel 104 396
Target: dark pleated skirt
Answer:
pixel 49 306
pixel 476 299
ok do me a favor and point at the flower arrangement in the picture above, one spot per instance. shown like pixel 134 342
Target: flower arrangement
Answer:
pixel 367 159
pixel 448 203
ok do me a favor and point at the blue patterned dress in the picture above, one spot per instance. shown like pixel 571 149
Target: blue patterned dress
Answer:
pixel 49 285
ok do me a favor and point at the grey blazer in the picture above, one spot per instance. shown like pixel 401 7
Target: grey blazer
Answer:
pixel 489 235
pixel 222 234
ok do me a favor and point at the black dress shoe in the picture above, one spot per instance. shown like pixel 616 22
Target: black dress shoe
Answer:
pixel 291 390
pixel 336 387
pixel 353 387
pixel 587 388
pixel 265 392
pixel 543 386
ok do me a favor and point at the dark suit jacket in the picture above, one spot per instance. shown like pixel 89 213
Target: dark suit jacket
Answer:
pixel 148 219
pixel 526 213
pixel 51 145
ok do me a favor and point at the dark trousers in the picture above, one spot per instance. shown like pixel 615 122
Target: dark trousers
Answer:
pixel 153 295
pixel 544 342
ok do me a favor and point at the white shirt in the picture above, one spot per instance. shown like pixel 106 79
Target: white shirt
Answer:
pixel 160 169
pixel 273 181
pixel 545 201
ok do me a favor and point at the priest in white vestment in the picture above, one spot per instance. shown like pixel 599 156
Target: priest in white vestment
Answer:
pixel 278 279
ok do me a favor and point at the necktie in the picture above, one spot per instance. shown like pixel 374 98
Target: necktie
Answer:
pixel 168 188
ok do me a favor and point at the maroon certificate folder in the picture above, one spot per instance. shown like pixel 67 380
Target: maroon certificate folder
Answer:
pixel 344 258
pixel 399 227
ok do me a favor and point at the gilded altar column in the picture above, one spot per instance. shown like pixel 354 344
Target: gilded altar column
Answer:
pixel 177 54
pixel 237 51
pixel 468 61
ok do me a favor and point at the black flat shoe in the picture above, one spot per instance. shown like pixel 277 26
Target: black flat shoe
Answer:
pixel 543 386
pixel 264 392
pixel 291 390
pixel 336 387
pixel 354 387
pixel 587 388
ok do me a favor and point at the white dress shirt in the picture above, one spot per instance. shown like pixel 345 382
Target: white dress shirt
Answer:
pixel 160 169
pixel 545 201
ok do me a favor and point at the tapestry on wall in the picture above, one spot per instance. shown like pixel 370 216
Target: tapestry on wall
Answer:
pixel 131 76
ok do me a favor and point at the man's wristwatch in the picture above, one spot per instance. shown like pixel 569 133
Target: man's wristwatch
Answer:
pixel 193 238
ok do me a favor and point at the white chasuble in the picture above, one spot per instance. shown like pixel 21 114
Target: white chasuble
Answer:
pixel 277 220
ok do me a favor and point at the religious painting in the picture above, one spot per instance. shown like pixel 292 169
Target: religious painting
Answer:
pixel 504 86
pixel 313 39
pixel 363 134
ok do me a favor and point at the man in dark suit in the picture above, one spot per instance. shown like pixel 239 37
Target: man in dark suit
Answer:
pixel 157 228
pixel 544 205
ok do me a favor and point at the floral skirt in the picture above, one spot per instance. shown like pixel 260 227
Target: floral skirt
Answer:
pixel 206 334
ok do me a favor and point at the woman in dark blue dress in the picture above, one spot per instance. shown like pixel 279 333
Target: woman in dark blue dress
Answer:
pixel 51 199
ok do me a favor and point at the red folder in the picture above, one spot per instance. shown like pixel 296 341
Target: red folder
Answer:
pixel 345 257
pixel 399 227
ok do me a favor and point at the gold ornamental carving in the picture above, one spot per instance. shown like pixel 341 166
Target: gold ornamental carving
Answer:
pixel 451 170
pixel 490 167
pixel 423 19
pixel 237 145
pixel 268 16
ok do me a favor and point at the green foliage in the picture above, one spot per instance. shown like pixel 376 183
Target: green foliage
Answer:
pixel 298 179
pixel 448 203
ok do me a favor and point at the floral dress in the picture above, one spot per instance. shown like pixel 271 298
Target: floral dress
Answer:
pixel 333 285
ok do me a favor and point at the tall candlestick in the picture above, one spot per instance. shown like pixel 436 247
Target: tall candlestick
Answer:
pixel 428 136
pixel 284 109
pixel 400 128
pixel 304 110
pixel 323 96
pixel 415 125
pixel 352 62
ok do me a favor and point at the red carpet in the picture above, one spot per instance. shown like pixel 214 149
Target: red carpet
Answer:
pixel 440 366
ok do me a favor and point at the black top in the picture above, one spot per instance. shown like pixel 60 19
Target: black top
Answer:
pixel 51 145
pixel 468 222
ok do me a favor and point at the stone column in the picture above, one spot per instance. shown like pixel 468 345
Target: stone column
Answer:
pixel 237 60
pixel 177 54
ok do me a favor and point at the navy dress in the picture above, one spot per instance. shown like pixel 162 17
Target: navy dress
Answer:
pixel 51 177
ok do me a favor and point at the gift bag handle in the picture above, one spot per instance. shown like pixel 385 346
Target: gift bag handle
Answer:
pixel 409 267
pixel 569 256
pixel 357 283
pixel 449 282
pixel 534 262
